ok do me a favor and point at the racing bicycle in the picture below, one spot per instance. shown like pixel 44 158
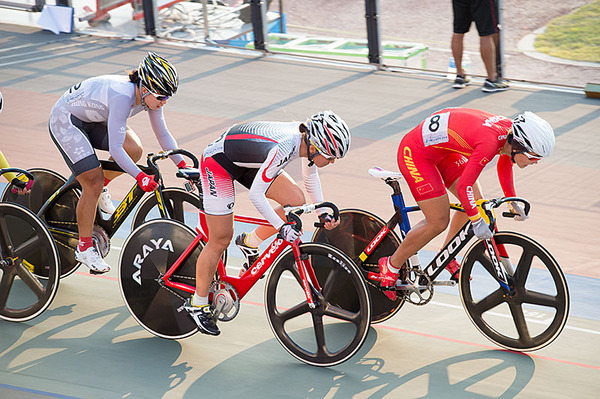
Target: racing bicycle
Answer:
pixel 502 281
pixel 55 198
pixel 26 250
pixel 317 302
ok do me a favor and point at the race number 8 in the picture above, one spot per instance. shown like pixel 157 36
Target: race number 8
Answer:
pixel 435 129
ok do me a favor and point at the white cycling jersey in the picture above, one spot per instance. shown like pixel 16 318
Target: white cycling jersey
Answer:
pixel 93 114
pixel 254 154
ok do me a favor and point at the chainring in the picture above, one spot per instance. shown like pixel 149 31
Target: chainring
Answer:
pixel 419 290
pixel 225 300
pixel 101 241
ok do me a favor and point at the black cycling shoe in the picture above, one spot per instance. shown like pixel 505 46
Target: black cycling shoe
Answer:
pixel 203 317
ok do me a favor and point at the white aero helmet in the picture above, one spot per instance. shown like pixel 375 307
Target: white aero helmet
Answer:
pixel 533 133
pixel 329 134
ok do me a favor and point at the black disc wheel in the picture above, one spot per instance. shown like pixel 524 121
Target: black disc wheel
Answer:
pixel 356 230
pixel 535 311
pixel 60 218
pixel 27 250
pixel 146 255
pixel 335 328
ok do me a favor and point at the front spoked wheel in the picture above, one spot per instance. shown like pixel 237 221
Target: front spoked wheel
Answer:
pixel 535 314
pixel 146 255
pixel 356 230
pixel 26 251
pixel 336 328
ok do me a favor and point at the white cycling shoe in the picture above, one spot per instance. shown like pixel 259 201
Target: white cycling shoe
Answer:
pixel 105 203
pixel 92 259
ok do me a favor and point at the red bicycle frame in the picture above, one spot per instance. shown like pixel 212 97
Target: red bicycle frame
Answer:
pixel 243 283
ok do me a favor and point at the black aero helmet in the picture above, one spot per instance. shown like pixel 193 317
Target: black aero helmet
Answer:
pixel 158 75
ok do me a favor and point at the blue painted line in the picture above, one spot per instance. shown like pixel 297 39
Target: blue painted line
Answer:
pixel 27 390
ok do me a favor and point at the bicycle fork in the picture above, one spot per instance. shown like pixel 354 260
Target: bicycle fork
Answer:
pixel 309 280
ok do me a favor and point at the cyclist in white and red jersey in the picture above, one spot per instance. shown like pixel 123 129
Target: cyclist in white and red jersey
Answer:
pixel 448 150
pixel 93 115
pixel 255 154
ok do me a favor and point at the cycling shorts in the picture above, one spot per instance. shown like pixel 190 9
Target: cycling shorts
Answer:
pixel 76 141
pixel 428 175
pixel 483 12
pixel 218 175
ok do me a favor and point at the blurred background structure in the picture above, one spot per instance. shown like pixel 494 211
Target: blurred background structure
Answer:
pixel 407 35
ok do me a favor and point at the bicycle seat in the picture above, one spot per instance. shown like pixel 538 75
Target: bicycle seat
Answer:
pixel 189 173
pixel 384 174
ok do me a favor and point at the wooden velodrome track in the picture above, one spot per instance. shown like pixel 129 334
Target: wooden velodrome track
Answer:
pixel 87 346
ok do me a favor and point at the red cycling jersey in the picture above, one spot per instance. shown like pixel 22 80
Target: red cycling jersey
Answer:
pixel 455 143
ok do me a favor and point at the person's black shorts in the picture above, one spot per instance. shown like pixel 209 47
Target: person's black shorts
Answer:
pixel 483 12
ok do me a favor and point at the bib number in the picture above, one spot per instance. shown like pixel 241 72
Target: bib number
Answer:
pixel 435 129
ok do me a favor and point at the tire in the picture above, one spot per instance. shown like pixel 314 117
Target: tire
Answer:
pixel 178 202
pixel 147 253
pixel 356 230
pixel 539 285
pixel 25 239
pixel 60 218
pixel 336 328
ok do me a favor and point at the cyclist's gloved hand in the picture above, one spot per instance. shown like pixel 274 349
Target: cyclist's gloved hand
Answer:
pixel 515 207
pixel 182 165
pixel 289 233
pixel 21 186
pixel 325 218
pixel 482 229
pixel 146 182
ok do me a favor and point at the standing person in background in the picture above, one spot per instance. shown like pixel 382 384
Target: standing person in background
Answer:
pixel 485 15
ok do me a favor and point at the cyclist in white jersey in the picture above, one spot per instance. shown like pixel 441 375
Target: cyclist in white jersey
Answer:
pixel 255 154
pixel 93 115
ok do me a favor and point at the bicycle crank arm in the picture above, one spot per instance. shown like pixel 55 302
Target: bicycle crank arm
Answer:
pixel 448 283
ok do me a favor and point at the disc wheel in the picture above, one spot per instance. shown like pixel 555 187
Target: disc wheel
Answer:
pixel 146 255
pixel 539 289
pixel 332 331
pixel 356 230
pixel 60 218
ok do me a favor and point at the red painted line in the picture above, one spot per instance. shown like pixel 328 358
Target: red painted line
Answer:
pixel 488 347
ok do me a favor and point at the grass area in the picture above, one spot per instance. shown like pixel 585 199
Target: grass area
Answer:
pixel 575 36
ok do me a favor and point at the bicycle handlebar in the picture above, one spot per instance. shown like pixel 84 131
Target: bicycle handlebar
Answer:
pixel 496 202
pixel 293 212
pixel 17 170
pixel 152 158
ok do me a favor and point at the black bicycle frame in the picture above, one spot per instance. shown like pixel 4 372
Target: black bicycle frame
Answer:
pixel 112 224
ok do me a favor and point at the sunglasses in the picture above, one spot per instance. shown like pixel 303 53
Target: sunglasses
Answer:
pixel 160 98
pixel 518 149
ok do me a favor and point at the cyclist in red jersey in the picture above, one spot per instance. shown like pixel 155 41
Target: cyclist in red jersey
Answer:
pixel 448 151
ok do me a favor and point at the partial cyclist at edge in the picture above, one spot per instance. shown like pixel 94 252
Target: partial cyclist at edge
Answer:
pixel 448 151
pixel 21 187
pixel 255 154
pixel 93 115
